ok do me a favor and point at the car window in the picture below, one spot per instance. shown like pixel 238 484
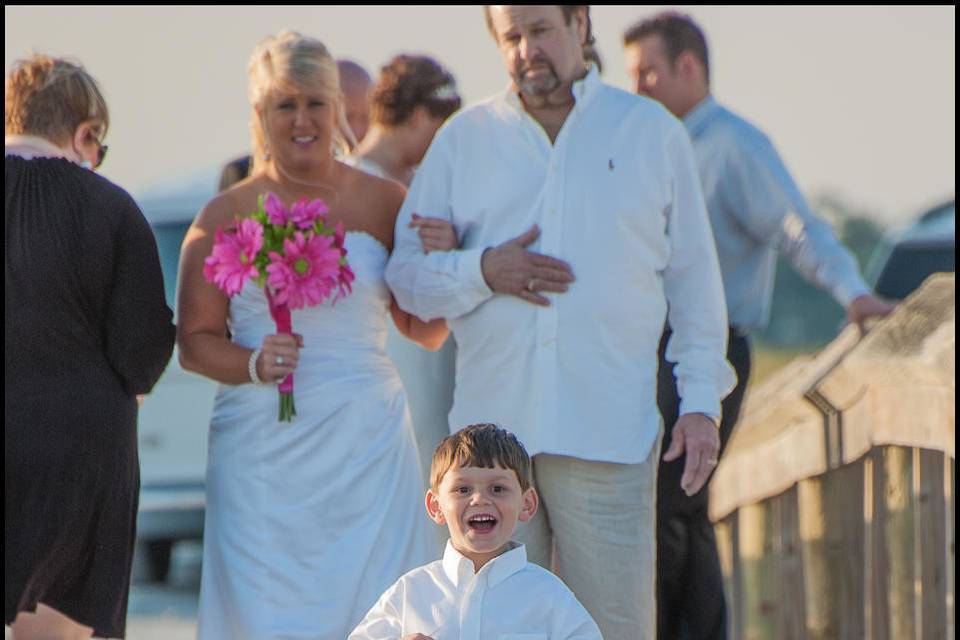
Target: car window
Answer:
pixel 910 264
pixel 169 238
pixel 908 255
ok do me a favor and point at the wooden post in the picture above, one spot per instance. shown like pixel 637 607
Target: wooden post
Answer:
pixel 725 531
pixel 930 518
pixel 894 579
pixel 820 598
pixel 792 598
pixel 949 489
pixel 832 532
pixel 869 548
pixel 843 501
pixel 760 582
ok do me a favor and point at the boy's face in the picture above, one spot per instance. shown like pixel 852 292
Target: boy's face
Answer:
pixel 481 508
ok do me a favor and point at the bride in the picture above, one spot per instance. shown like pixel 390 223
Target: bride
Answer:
pixel 307 522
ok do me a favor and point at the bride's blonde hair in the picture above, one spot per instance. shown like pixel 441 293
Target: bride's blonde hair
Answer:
pixel 291 61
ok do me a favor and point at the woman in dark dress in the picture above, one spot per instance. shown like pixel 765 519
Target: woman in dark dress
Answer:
pixel 86 330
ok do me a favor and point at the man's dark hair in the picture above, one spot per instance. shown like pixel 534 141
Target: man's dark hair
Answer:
pixel 568 11
pixel 678 32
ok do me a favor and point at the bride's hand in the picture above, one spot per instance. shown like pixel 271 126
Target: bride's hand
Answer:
pixel 279 356
pixel 435 234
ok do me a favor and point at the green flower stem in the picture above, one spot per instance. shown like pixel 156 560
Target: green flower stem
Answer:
pixel 287 408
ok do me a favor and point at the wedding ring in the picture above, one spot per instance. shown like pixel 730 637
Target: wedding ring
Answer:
pixel 712 462
pixel 530 284
pixel 279 360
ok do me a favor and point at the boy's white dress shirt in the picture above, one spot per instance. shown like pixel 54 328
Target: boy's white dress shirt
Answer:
pixel 508 598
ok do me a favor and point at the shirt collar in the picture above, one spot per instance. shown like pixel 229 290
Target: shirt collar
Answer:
pixel 459 569
pixel 31 147
pixel 583 90
pixel 698 117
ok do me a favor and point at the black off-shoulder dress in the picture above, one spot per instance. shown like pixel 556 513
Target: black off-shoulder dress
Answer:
pixel 86 329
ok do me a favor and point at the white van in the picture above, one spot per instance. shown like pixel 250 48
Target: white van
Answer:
pixel 174 417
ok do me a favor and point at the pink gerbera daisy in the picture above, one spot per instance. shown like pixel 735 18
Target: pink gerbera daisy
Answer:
pixel 231 263
pixel 277 213
pixel 306 273
pixel 304 213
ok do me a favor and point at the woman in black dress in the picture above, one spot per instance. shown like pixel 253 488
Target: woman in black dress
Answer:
pixel 86 330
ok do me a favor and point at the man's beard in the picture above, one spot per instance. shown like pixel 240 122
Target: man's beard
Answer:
pixel 543 85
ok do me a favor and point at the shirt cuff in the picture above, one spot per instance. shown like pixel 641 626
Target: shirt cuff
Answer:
pixel 471 275
pixel 700 399
pixel 846 292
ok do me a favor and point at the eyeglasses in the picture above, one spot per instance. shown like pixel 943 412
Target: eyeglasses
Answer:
pixel 101 154
pixel 101 151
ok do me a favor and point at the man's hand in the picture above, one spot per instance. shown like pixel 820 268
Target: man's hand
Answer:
pixel 416 636
pixel 868 306
pixel 436 234
pixel 696 434
pixel 510 268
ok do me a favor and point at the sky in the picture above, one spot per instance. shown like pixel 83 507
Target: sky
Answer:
pixel 860 101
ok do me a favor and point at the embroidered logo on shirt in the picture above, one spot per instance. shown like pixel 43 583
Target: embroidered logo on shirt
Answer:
pixel 610 165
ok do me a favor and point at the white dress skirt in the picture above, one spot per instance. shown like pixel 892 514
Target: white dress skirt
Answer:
pixel 428 378
pixel 308 522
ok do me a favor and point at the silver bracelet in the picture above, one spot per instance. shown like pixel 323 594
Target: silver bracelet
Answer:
pixel 252 366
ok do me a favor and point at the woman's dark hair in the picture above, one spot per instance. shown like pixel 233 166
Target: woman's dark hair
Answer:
pixel 407 82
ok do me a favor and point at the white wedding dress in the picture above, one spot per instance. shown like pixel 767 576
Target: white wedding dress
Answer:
pixel 308 522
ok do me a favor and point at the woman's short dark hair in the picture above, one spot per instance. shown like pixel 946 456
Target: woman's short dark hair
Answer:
pixel 408 82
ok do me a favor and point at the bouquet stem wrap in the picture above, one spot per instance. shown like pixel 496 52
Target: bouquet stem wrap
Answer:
pixel 281 317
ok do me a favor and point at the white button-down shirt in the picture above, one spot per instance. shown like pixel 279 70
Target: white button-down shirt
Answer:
pixel 617 196
pixel 508 598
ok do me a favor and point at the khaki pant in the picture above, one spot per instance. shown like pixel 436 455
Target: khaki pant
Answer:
pixel 596 529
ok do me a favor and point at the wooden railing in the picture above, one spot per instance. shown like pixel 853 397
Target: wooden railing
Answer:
pixel 834 501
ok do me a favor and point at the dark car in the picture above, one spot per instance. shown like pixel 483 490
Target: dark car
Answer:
pixel 908 255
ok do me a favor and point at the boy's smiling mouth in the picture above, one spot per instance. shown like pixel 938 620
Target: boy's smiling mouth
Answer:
pixel 482 523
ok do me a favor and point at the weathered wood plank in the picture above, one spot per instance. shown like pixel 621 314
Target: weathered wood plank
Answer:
pixel 726 550
pixel 931 538
pixel 759 567
pixel 792 597
pixel 821 600
pixel 832 534
pixel 899 531
pixel 844 500
pixel 950 497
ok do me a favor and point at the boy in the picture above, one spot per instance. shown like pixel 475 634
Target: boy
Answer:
pixel 480 486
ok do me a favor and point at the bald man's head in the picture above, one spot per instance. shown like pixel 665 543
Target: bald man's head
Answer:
pixel 356 83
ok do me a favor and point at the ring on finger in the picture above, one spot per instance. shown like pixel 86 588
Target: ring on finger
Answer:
pixel 713 462
pixel 279 360
pixel 531 283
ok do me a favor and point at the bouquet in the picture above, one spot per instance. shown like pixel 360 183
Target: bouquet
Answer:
pixel 292 253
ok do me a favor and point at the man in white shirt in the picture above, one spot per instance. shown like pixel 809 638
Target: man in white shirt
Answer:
pixel 561 164
pixel 481 485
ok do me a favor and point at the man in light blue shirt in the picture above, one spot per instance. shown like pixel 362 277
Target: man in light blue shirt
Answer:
pixel 756 211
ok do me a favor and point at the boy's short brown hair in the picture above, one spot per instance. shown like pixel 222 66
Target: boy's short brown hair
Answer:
pixel 481 445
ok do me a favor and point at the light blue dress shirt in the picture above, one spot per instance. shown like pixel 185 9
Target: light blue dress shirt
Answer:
pixel 756 210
